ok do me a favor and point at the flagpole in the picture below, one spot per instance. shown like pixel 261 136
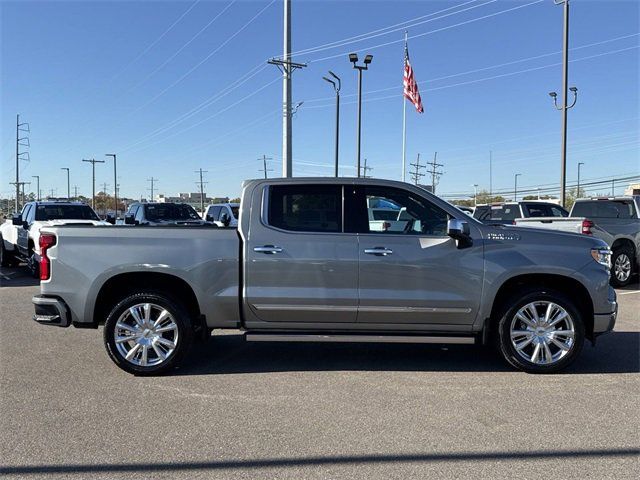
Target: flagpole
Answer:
pixel 404 115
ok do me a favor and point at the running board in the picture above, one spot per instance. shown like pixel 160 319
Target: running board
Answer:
pixel 338 338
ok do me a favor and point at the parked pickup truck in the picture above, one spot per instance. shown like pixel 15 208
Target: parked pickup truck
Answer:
pixel 19 237
pixel 616 220
pixel 308 263
pixel 509 212
pixel 161 213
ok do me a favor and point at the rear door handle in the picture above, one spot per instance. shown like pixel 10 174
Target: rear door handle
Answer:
pixel 269 249
pixel 379 251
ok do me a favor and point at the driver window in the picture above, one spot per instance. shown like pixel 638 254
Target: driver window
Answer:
pixel 396 211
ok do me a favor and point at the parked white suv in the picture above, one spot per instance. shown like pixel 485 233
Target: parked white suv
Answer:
pixel 20 236
pixel 216 213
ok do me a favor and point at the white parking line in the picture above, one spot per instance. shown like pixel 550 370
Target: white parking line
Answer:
pixel 629 293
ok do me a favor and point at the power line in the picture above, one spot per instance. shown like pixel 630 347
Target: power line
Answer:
pixel 366 169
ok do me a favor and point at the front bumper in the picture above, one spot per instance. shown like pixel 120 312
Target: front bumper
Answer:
pixel 604 322
pixel 51 311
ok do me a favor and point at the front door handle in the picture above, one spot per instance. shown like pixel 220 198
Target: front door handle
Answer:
pixel 379 251
pixel 269 249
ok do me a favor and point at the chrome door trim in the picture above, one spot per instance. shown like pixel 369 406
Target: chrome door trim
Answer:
pixel 340 308
pixel 337 338
pixel 380 251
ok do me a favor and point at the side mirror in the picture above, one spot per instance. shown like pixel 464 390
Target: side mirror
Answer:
pixel 129 219
pixel 225 219
pixel 459 230
pixel 17 220
pixel 111 219
pixel 25 225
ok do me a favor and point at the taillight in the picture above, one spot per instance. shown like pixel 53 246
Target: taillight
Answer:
pixel 46 241
pixel 586 227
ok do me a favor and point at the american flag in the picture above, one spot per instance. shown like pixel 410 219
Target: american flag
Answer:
pixel 411 92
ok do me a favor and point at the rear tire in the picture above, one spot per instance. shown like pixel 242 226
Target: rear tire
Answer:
pixel 148 333
pixel 540 331
pixel 622 262
pixel 6 257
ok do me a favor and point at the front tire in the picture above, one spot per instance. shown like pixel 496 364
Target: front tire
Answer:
pixel 6 257
pixel 540 331
pixel 621 266
pixel 33 265
pixel 147 333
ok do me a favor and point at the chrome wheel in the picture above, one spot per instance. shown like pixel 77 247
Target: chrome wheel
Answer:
pixel 622 267
pixel 542 332
pixel 146 334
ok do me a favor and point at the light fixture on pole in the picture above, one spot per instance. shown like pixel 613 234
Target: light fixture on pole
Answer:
pixel 515 187
pixel 564 107
pixel 336 87
pixel 578 189
pixel 68 183
pixel 353 58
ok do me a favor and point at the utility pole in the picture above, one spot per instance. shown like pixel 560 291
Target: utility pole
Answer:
pixel 578 189
pixel 20 142
pixel 152 180
pixel 365 169
pixel 201 189
pixel 68 184
pixel 104 191
pixel 515 187
pixel 37 177
pixel 53 193
pixel 435 173
pixel 475 194
pixel 564 107
pixel 93 162
pixel 417 174
pixel 287 67
pixel 75 192
pixel 115 183
pixel 264 165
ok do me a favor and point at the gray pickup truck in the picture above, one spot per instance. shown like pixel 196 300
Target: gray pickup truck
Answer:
pixel 616 220
pixel 323 259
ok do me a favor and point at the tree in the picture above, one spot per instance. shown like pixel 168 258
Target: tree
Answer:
pixel 572 195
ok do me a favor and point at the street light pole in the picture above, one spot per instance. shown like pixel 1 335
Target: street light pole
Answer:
pixel 564 107
pixel 37 177
pixel 578 189
pixel 68 184
pixel 336 87
pixel 115 183
pixel 515 187
pixel 353 58
pixel 475 194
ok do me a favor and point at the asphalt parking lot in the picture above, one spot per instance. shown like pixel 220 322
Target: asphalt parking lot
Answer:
pixel 243 410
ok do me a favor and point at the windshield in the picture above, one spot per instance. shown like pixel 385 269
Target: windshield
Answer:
pixel 65 212
pixel 545 210
pixel 170 211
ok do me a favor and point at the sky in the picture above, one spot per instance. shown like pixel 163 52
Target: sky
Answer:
pixel 175 86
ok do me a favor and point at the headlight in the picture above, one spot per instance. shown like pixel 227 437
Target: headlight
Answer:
pixel 602 255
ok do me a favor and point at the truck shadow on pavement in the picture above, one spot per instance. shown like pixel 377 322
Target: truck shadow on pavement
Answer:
pixel 617 352
pixel 17 277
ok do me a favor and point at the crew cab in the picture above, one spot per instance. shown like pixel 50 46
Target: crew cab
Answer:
pixel 223 214
pixel 311 261
pixel 19 238
pixel 508 212
pixel 152 213
pixel 616 220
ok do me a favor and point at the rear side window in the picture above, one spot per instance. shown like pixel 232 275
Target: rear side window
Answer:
pixel 499 213
pixel 604 209
pixel 306 208
pixel 534 210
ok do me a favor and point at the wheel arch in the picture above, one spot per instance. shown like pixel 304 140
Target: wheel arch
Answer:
pixel 624 242
pixel 118 286
pixel 567 285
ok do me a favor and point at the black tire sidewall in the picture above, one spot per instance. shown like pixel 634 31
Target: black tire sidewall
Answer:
pixel 616 253
pixel 180 316
pixel 518 301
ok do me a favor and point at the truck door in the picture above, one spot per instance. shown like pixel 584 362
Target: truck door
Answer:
pixel 410 271
pixel 28 213
pixel 299 264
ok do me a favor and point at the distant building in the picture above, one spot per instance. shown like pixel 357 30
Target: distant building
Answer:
pixel 633 189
